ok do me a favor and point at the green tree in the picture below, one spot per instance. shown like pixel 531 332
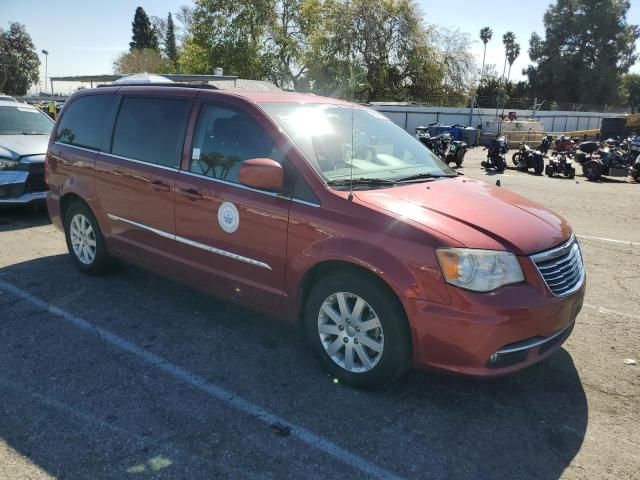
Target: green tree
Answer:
pixel 170 47
pixel 289 39
pixel 509 41
pixel 630 91
pixel 512 54
pixel 231 35
pixel 141 60
pixel 377 50
pixel 144 35
pixel 588 45
pixel 485 35
pixel 19 61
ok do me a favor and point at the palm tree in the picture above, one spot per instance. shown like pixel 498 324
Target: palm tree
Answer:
pixel 509 40
pixel 485 35
pixel 511 57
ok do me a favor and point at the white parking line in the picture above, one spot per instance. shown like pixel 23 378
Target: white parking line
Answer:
pixel 611 312
pixel 610 240
pixel 219 393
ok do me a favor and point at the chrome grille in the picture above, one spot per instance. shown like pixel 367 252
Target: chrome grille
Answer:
pixel 561 268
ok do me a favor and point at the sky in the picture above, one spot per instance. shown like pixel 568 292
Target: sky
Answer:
pixel 84 37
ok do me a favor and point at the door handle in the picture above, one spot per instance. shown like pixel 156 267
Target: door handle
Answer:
pixel 191 193
pixel 160 186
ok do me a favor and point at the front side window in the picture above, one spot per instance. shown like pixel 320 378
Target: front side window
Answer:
pixel 151 130
pixel 224 138
pixel 23 120
pixel 83 121
pixel 344 140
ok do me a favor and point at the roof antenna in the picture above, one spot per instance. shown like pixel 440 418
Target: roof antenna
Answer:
pixel 350 197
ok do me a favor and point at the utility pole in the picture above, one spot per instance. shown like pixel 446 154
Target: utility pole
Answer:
pixel 46 69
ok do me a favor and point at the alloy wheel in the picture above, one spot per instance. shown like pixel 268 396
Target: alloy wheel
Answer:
pixel 83 239
pixel 350 332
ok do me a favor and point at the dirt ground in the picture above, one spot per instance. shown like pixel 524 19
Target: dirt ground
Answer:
pixel 134 376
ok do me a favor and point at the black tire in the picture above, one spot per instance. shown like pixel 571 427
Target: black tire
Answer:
pixel 460 158
pixel 548 170
pixel 539 168
pixel 572 173
pixel 101 260
pixel 515 158
pixel 501 164
pixel 395 357
pixel 592 170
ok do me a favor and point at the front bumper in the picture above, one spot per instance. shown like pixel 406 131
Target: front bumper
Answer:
pixel 24 199
pixel 19 187
pixel 491 334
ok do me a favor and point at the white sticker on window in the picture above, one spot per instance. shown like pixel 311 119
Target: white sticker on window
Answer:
pixel 196 154
pixel 27 109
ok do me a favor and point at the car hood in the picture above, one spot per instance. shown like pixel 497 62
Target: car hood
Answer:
pixel 474 214
pixel 16 146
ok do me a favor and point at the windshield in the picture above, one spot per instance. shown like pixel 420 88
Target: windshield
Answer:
pixel 336 139
pixel 23 120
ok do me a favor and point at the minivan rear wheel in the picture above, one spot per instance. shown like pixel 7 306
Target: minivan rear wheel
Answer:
pixel 358 330
pixel 84 240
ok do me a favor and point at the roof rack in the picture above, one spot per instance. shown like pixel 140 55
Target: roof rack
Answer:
pixel 162 84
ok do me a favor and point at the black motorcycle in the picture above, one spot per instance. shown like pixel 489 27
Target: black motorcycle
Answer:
pixel 443 145
pixel 432 143
pixel 560 164
pixel 450 150
pixel 585 151
pixel 544 146
pixel 621 160
pixel 496 152
pixel 526 158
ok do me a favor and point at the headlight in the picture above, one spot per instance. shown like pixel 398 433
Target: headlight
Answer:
pixel 479 270
pixel 8 164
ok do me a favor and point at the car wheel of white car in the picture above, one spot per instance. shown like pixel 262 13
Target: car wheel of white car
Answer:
pixel 84 239
pixel 358 329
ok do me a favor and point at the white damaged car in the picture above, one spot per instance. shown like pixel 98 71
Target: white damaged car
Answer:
pixel 24 135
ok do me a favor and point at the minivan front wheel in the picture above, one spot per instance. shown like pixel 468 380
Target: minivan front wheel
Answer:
pixel 358 330
pixel 84 240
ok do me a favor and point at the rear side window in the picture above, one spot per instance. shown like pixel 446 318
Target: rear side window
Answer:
pixel 83 122
pixel 224 138
pixel 151 130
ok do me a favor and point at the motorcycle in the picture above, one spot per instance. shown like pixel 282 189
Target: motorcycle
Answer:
pixel 496 151
pixel 432 143
pixel 620 161
pixel 545 144
pixel 560 164
pixel 443 146
pixel 452 150
pixel 526 158
pixel 565 144
pixel 585 151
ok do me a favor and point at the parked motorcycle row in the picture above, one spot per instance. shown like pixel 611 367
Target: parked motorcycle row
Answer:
pixel 613 157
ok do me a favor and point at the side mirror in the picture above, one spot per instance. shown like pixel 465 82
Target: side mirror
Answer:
pixel 262 173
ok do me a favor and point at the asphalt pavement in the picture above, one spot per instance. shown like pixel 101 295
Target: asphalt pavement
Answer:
pixel 131 375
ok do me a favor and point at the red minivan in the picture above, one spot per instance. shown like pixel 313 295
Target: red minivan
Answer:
pixel 317 210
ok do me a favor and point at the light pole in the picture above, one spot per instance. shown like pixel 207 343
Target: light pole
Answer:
pixel 46 65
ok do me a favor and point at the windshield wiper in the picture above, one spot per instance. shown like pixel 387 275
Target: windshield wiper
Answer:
pixel 345 182
pixel 422 176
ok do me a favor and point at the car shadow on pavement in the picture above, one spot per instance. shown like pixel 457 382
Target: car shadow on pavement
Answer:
pixel 17 218
pixel 76 406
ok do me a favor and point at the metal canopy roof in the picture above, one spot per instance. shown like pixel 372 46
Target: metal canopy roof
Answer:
pixel 176 77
